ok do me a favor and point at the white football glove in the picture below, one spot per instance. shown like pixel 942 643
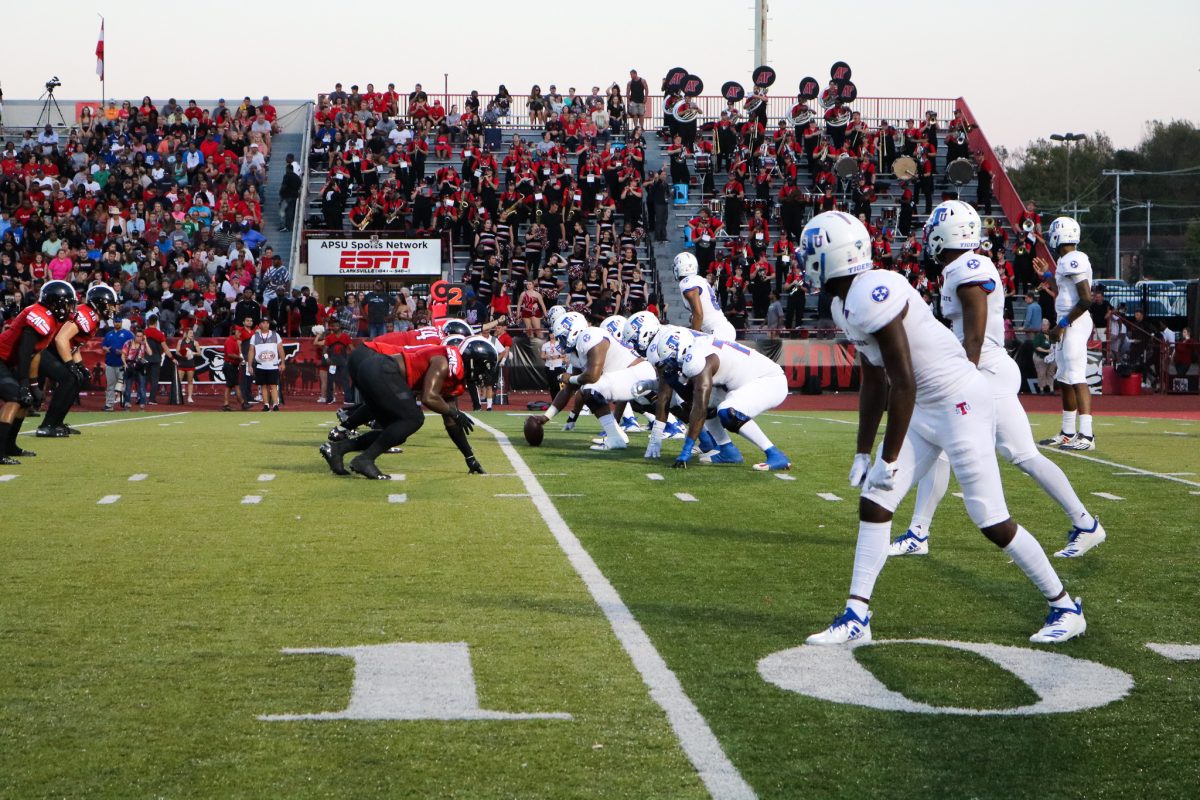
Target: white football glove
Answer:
pixel 654 446
pixel 882 475
pixel 860 468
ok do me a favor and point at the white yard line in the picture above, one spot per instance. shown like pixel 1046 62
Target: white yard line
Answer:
pixel 1164 475
pixel 526 494
pixel 118 421
pixel 822 419
pixel 700 744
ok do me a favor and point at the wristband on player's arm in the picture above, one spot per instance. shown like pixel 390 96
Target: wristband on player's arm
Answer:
pixel 574 380
pixel 550 411
pixel 1064 321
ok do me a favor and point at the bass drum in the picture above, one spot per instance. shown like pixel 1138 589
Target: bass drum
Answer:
pixel 905 168
pixel 846 167
pixel 703 162
pixel 960 171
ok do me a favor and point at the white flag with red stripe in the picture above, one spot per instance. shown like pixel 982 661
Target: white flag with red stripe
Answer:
pixel 100 52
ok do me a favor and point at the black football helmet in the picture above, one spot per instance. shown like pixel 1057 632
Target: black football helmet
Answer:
pixel 59 298
pixel 455 327
pixel 102 299
pixel 480 361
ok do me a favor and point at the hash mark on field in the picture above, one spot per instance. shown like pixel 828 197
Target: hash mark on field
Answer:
pixel 783 477
pixel 1176 652
pixel 396 476
pixel 397 498
pixel 7 478
pixel 687 498
pixel 1177 433
pixel 140 476
pixel 654 476
pixel 266 476
pixel 247 424
pixel 830 496
pixel 959 495
pixel 1108 496
pixel 164 424
pixel 1139 422
pixel 108 499
pixel 251 499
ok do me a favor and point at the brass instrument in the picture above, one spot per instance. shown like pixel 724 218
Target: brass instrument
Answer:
pixel 801 115
pixel 1028 225
pixel 841 118
pixel 829 98
pixel 685 111
pixel 508 212
pixel 368 219
pixel 755 101
pixel 986 246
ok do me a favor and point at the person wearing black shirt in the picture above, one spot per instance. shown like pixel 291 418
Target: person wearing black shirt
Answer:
pixel 378 305
pixel 656 204
pixel 247 307
pixel 289 193
pixel 309 308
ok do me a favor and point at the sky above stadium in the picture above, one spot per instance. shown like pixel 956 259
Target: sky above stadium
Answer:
pixel 1027 69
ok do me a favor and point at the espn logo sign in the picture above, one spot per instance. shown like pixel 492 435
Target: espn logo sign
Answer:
pixel 360 261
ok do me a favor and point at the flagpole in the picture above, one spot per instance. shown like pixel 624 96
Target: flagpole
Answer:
pixel 103 69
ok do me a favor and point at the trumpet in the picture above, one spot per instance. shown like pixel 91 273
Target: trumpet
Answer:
pixel 986 246
pixel 1028 225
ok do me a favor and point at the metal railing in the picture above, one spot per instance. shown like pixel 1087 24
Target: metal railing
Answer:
pixel 302 204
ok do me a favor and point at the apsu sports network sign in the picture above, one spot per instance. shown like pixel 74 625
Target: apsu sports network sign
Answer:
pixel 382 257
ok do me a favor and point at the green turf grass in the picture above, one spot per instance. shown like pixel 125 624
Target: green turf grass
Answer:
pixel 140 640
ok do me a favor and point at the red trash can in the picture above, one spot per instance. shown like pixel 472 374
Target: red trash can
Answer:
pixel 1108 380
pixel 1131 385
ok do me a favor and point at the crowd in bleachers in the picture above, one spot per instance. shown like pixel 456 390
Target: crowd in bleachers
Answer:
pixel 564 210
pixel 163 203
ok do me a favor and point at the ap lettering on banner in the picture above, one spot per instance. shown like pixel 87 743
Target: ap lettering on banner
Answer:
pixel 408 681
pixel 1063 684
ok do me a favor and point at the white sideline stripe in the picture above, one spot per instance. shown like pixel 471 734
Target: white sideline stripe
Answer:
pixel 1166 476
pixel 140 476
pixel 720 776
pixel 515 475
pixel 251 500
pixel 1108 496
pixel 266 476
pixel 833 498
pixel 526 494
pixel 1176 652
pixel 687 498
pixel 397 498
pixel 7 478
pixel 119 421
pixel 654 476
pixel 783 477
pixel 108 499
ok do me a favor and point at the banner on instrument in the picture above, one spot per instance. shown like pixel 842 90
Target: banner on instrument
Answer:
pixel 385 258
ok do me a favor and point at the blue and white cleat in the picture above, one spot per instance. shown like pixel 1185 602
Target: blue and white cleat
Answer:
pixel 776 460
pixel 630 425
pixel 675 430
pixel 845 628
pixel 706 441
pixel 1062 624
pixel 725 454
pixel 910 544
pixel 1079 541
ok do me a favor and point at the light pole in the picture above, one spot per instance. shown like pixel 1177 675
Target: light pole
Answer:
pixel 1118 174
pixel 1067 138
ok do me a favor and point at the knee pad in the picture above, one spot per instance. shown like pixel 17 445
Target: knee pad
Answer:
pixel 732 420
pixel 642 406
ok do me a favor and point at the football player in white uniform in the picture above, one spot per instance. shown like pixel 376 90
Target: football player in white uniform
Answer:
pixel 615 325
pixel 973 301
pixel 936 400
pixel 707 316
pixel 605 371
pixel 1073 278
pixel 741 383
pixel 668 394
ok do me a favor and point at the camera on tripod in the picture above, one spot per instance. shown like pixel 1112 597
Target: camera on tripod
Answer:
pixel 53 84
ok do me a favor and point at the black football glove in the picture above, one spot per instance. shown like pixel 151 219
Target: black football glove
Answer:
pixel 474 467
pixel 26 395
pixel 679 464
pixel 37 395
pixel 82 375
pixel 464 422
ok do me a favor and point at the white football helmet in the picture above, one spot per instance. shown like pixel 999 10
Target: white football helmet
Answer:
pixel 674 344
pixel 1063 230
pixel 834 245
pixel 553 315
pixel 568 329
pixel 615 325
pixel 953 225
pixel 685 264
pixel 639 331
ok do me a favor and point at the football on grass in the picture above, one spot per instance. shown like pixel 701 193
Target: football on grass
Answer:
pixel 533 431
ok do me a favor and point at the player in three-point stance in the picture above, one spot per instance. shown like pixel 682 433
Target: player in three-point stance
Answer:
pixel 973 301
pixel 739 383
pixel 62 363
pixel 1073 278
pixel 936 401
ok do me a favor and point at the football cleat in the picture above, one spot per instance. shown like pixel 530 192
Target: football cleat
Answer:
pixel 9 461
pixel 55 432
pixel 342 415
pixel 333 457
pixel 20 453
pixel 1079 442
pixel 367 468
pixel 846 627
pixel 1062 624
pixel 630 425
pixel 706 441
pixel 776 460
pixel 603 445
pixel 569 425
pixel 676 430
pixel 1056 440
pixel 910 544
pixel 1079 540
pixel 724 454
pixel 338 435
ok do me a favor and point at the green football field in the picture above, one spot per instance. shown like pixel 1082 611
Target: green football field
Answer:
pixel 573 624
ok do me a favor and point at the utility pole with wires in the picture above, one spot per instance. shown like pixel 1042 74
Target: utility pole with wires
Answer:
pixel 760 32
pixel 1117 206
